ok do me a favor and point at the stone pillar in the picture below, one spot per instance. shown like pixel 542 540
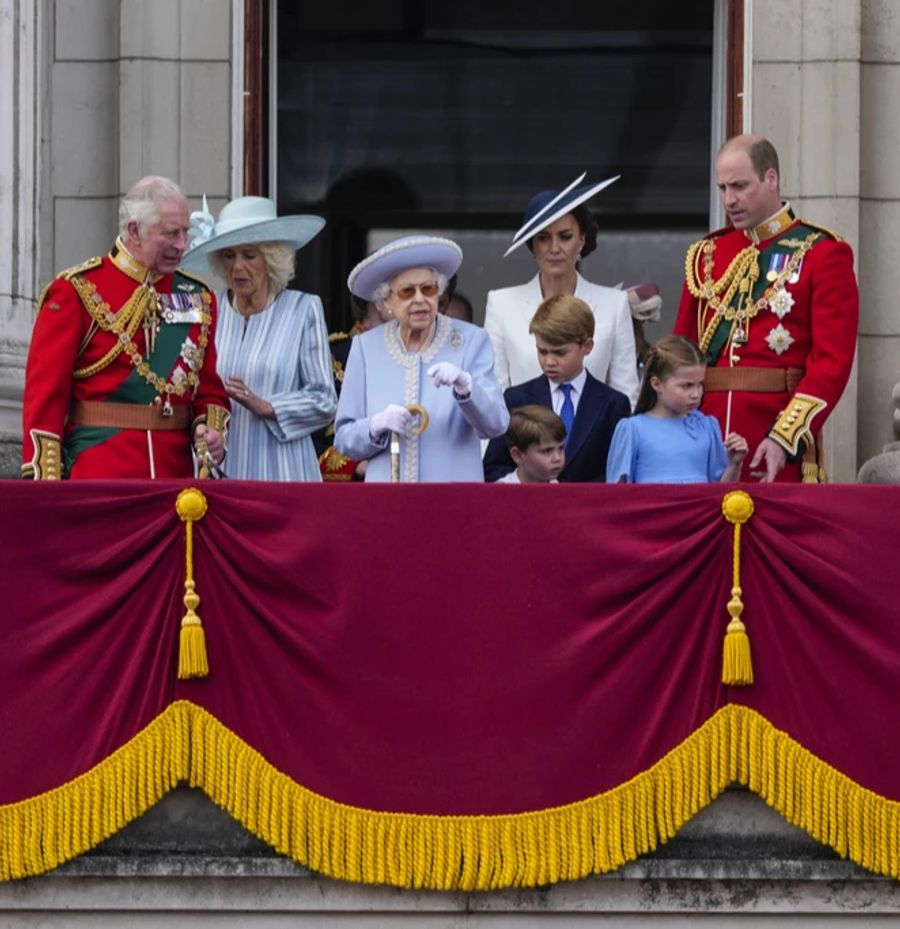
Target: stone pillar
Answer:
pixel 805 97
pixel 136 88
pixel 21 83
pixel 885 468
pixel 95 94
pixel 175 92
pixel 84 131
pixel 879 344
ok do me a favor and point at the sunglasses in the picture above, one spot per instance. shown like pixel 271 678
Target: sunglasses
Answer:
pixel 409 291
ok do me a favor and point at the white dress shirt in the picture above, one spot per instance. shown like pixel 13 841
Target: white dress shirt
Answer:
pixel 557 395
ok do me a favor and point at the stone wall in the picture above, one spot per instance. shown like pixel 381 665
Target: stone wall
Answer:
pixel 805 97
pixel 879 260
pixel 23 212
pixel 94 95
pixel 824 85
pixel 136 88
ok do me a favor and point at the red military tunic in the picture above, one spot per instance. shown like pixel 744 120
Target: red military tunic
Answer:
pixel 776 310
pixel 96 405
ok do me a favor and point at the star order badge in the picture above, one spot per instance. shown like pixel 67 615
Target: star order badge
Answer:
pixel 779 340
pixel 781 303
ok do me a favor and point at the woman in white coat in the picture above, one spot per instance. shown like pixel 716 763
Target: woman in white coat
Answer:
pixel 560 230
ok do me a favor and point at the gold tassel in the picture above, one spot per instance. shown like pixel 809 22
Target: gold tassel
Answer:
pixel 737 663
pixel 192 660
pixel 809 473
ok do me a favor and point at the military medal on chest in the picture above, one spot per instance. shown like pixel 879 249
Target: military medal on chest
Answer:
pixel 781 300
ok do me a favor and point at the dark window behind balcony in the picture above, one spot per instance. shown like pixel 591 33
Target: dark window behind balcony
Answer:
pixel 397 114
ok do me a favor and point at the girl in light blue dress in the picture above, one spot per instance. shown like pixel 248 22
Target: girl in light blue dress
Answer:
pixel 668 440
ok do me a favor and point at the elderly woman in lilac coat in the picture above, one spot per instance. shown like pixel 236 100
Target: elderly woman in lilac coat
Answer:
pixel 418 359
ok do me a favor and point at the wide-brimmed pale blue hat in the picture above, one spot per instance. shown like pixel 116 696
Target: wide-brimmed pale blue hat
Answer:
pixel 548 206
pixel 412 251
pixel 245 221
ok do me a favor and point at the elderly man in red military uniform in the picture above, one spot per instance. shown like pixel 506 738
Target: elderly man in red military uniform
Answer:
pixel 121 375
pixel 773 302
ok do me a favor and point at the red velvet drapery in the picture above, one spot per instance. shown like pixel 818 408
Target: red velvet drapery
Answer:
pixel 446 650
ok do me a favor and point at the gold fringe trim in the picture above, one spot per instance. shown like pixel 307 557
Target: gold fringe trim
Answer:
pixel 736 745
pixel 42 832
pixel 600 834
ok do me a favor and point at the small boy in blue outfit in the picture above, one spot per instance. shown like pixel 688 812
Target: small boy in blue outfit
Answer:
pixel 563 330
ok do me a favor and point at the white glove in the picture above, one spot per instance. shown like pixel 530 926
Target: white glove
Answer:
pixel 448 375
pixel 393 418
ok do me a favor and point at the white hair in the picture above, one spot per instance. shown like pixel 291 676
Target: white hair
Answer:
pixel 280 259
pixel 382 291
pixel 142 203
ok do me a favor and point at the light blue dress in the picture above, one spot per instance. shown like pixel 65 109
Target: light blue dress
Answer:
pixel 380 371
pixel 283 356
pixel 650 450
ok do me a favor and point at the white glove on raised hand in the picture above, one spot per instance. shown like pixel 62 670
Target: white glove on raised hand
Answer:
pixel 448 375
pixel 393 418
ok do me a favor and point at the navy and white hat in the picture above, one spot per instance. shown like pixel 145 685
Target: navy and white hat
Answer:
pixel 412 251
pixel 548 206
pixel 245 221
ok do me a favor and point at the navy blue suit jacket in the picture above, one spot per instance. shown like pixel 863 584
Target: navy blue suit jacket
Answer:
pixel 599 409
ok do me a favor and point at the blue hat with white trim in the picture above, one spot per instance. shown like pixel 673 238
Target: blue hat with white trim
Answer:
pixel 548 206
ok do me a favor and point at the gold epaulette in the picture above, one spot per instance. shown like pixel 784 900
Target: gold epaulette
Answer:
pixel 67 275
pixel 88 265
pixel 717 233
pixel 193 277
pixel 824 229
pixel 338 336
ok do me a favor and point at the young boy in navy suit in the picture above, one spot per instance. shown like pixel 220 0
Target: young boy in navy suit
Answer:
pixel 563 330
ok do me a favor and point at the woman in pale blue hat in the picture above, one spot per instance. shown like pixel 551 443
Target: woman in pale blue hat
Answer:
pixel 420 367
pixel 560 230
pixel 272 343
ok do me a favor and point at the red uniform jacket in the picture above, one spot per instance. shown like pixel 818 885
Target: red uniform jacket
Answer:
pixel 798 314
pixel 83 349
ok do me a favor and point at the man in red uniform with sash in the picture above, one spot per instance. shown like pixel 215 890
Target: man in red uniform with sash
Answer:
pixel 773 302
pixel 121 375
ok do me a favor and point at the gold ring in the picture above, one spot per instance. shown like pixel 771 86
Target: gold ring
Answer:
pixel 422 413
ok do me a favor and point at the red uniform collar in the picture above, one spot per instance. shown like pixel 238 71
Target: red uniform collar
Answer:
pixel 131 267
pixel 775 225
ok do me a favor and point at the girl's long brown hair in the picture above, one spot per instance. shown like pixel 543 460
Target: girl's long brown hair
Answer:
pixel 668 354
